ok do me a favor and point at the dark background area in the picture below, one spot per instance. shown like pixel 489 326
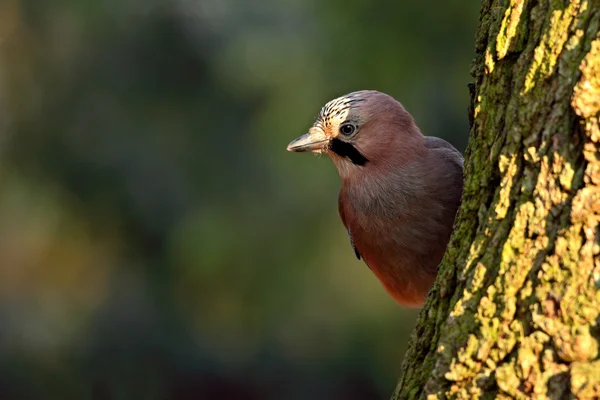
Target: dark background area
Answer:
pixel 156 239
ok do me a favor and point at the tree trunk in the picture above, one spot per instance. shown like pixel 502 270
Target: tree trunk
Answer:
pixel 515 311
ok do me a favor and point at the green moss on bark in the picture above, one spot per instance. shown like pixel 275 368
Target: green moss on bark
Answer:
pixel 516 307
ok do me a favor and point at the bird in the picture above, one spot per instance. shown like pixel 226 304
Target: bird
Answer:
pixel 400 190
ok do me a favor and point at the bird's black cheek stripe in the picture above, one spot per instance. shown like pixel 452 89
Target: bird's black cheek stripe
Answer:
pixel 344 149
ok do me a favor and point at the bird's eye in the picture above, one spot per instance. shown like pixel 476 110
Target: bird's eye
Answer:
pixel 347 129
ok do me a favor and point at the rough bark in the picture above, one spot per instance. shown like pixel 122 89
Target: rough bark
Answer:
pixel 515 312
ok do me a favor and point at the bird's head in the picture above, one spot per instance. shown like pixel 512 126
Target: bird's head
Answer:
pixel 361 129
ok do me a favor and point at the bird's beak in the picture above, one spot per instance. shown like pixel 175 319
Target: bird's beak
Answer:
pixel 315 140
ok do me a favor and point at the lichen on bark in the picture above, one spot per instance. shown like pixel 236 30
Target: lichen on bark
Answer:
pixel 515 311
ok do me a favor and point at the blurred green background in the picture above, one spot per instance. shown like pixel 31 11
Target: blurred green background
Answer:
pixel 156 239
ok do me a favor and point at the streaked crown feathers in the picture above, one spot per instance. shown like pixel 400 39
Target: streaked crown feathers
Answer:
pixel 338 109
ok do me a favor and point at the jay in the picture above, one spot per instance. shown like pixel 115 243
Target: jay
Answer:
pixel 400 190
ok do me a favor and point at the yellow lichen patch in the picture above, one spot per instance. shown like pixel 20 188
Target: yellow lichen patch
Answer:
pixel 507 165
pixel 527 365
pixel 565 176
pixel 531 155
pixel 476 110
pixel 586 101
pixel 585 380
pixel 507 379
pixel 551 45
pixel 474 250
pixel 506 38
pixel 575 344
pixel 489 61
pixel 586 199
pixel 478 275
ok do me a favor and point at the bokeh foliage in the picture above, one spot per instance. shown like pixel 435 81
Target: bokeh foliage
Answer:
pixel 156 240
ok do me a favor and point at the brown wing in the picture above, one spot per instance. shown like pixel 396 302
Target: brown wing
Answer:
pixel 444 149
